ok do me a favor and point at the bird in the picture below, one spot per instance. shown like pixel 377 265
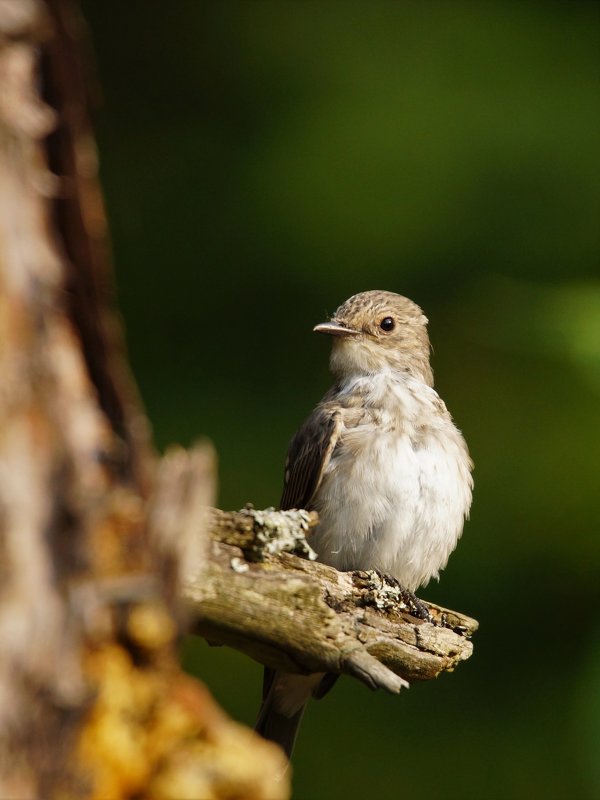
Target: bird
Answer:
pixel 381 462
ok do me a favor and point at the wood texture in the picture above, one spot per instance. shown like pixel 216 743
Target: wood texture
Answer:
pixel 292 613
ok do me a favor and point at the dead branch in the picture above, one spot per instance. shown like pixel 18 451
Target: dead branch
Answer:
pixel 295 614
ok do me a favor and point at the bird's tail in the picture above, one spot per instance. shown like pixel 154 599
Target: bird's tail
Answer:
pixel 284 699
pixel 277 727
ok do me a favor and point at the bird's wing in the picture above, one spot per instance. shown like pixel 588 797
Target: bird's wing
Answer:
pixel 308 455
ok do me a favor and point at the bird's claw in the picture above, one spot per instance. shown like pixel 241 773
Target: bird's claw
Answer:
pixel 415 607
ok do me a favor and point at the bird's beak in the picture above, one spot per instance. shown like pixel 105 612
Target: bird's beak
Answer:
pixel 335 329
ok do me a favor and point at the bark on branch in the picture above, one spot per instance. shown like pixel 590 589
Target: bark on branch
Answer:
pixel 292 613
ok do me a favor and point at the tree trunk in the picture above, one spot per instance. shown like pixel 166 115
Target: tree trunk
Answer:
pixel 93 702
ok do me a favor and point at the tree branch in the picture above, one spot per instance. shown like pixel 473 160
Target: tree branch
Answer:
pixel 257 595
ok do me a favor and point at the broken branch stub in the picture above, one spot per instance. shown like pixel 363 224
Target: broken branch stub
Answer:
pixel 298 615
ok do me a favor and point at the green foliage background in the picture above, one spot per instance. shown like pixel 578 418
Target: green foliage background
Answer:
pixel 264 160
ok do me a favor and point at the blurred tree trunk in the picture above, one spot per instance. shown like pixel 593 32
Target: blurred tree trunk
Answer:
pixel 92 700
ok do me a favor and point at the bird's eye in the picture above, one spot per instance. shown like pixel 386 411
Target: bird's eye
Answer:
pixel 387 324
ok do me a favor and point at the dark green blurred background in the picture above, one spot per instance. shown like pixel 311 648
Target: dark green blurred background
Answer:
pixel 264 160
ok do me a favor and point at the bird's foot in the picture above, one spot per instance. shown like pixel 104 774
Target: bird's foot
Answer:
pixel 415 607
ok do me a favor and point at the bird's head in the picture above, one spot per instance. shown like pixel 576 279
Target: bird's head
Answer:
pixel 377 331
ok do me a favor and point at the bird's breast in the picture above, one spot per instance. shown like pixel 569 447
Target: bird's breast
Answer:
pixel 396 491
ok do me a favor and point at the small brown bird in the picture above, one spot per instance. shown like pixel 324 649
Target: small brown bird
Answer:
pixel 383 464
